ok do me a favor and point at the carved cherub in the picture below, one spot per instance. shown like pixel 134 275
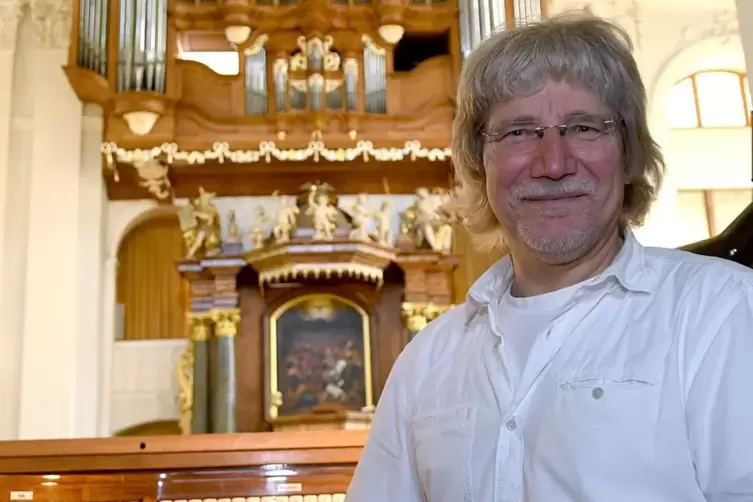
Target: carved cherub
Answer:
pixel 383 234
pixel 432 223
pixel 153 177
pixel 287 215
pixel 261 219
pixel 360 213
pixel 233 233
pixel 323 214
pixel 200 223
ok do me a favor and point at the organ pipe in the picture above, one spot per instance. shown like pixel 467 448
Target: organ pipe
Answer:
pixel 142 45
pixel 374 77
pixel 480 18
pixel 92 36
pixel 256 77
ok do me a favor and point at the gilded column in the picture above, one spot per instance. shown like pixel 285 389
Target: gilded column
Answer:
pixel 193 376
pixel 195 365
pixel 222 377
pixel 226 317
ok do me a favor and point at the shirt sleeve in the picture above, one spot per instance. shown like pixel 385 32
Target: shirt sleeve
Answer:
pixel 720 403
pixel 386 470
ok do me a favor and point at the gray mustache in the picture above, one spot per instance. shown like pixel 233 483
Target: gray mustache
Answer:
pixel 547 188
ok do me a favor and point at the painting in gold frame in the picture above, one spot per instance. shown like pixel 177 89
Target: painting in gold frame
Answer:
pixel 319 357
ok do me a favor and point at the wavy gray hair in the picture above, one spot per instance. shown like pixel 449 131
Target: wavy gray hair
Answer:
pixel 580 48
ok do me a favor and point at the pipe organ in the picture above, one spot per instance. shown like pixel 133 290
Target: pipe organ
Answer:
pixel 92 42
pixel 479 18
pixel 142 45
pixel 316 80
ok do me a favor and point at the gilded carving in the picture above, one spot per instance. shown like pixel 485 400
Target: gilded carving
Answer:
pixel 261 219
pixel 153 176
pixel 268 151
pixel 417 315
pixel 324 214
pixel 200 223
pixel 287 215
pixel 428 222
pixel 360 215
pixel 226 322
pixel 384 235
pixel 185 388
pixel 199 327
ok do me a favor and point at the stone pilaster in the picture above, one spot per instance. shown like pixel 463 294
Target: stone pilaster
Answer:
pixel 10 16
pixel 52 21
pixel 53 267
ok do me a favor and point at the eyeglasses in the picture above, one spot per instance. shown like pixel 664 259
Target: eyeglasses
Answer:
pixel 580 134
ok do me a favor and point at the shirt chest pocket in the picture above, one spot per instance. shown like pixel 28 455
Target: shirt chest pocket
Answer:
pixel 607 412
pixel 442 444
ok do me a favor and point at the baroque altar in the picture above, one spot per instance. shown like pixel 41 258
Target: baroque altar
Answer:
pixel 296 321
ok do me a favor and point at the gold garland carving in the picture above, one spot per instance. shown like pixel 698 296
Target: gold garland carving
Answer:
pixel 315 151
pixel 417 315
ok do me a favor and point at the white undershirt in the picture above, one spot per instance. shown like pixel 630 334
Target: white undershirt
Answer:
pixel 522 320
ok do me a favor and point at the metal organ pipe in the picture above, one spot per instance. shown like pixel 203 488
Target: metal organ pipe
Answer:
pixel 142 45
pixel 350 70
pixel 92 36
pixel 375 77
pixel 480 18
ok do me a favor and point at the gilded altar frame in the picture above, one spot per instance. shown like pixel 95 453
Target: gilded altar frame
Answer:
pixel 274 397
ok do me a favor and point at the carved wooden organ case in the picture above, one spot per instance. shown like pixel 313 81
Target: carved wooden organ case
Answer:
pixel 357 95
pixel 358 91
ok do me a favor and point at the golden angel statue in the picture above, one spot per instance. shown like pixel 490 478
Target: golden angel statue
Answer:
pixel 360 213
pixel 261 219
pixel 383 234
pixel 287 216
pixel 200 223
pixel 323 214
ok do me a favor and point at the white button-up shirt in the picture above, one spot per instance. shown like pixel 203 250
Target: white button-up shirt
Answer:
pixel 641 392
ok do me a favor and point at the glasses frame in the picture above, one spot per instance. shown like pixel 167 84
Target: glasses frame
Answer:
pixel 610 125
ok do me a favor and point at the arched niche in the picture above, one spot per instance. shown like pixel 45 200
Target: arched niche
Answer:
pixel 148 288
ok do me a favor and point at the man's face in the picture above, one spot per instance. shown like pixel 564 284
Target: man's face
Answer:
pixel 555 195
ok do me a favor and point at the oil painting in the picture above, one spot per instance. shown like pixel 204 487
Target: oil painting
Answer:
pixel 320 356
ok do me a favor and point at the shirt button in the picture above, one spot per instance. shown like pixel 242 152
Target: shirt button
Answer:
pixel 597 393
pixel 511 424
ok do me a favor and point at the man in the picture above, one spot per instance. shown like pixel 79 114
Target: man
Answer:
pixel 583 366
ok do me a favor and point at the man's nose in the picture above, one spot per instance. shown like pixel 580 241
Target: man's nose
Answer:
pixel 554 157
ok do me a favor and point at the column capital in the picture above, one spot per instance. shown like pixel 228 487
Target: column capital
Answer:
pixel 10 16
pixel 226 322
pixel 52 21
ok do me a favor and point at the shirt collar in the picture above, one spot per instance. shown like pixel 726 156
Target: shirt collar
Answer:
pixel 629 268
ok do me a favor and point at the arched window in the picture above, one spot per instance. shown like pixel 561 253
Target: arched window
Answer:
pixel 714 98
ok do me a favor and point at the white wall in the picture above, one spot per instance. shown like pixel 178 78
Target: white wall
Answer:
pixel 673 39
pixel 51 228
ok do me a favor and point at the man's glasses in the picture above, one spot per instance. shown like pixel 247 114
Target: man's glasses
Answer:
pixel 579 134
